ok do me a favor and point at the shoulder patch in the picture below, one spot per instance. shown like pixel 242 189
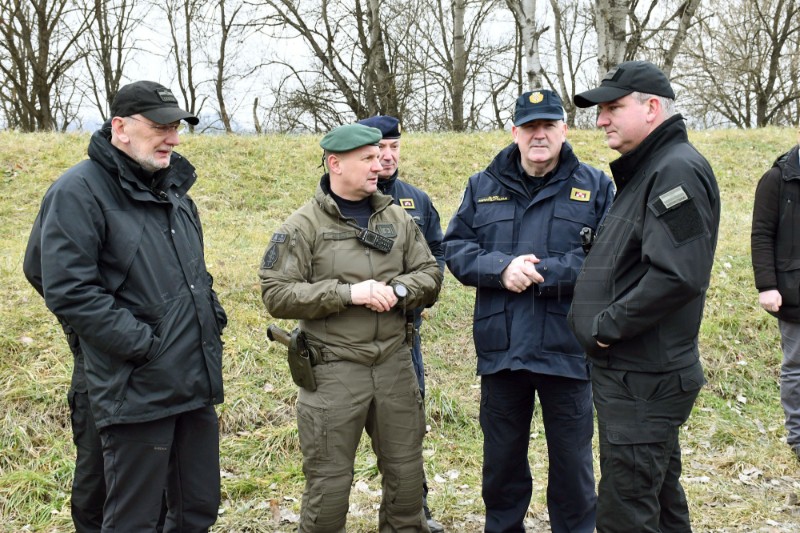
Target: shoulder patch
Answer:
pixel 279 237
pixel 678 211
pixel 270 257
pixel 387 230
pixel 580 195
pixel 493 198
pixel 406 203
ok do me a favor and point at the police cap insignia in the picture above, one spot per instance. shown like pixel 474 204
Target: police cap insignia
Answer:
pixel 536 97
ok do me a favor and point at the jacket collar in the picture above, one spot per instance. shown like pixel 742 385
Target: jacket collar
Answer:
pixel 505 168
pixel 386 185
pixel 631 164
pixel 178 177
pixel 326 202
pixel 789 163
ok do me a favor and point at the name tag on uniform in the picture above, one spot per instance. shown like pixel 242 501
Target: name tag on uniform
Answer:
pixel 580 195
pixel 495 198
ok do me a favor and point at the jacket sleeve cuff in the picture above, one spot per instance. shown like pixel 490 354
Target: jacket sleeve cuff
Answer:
pixel 343 290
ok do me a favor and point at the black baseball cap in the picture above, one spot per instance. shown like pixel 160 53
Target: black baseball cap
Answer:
pixel 151 100
pixel 541 104
pixel 625 78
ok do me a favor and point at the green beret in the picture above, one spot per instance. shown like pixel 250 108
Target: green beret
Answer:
pixel 349 137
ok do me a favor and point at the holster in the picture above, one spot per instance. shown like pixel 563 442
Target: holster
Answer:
pixel 301 357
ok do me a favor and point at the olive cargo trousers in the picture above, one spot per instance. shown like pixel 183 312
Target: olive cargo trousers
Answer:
pixel 385 400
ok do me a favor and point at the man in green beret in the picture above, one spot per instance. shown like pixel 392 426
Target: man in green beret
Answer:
pixel 352 266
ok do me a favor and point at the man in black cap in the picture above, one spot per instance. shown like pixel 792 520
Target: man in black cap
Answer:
pixel 516 238
pixel 420 207
pixel 117 252
pixel 350 265
pixel 639 299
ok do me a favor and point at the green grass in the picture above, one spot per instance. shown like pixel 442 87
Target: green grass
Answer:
pixel 739 474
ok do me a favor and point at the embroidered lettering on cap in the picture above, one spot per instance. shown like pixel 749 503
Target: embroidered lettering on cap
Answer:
pixel 674 197
pixel 166 96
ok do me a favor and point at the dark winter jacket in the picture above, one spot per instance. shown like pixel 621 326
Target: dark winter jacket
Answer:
pixel 419 206
pixel 775 238
pixel 498 221
pixel 642 288
pixel 123 265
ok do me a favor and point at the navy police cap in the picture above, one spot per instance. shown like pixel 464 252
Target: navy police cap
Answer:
pixel 389 126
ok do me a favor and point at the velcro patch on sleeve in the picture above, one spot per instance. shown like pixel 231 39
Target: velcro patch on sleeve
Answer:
pixel 270 257
pixel 677 210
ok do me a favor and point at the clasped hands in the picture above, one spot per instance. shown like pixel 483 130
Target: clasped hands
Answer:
pixel 521 273
pixel 374 295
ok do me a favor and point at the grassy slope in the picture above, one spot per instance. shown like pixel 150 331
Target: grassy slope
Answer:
pixel 739 475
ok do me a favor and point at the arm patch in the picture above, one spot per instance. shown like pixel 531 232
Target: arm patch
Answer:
pixel 677 210
pixel 270 257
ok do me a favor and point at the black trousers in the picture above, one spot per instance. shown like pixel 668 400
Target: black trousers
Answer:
pixel 639 416
pixel 507 404
pixel 179 453
pixel 88 483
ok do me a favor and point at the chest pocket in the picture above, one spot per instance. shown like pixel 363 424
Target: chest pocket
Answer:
pixel 494 225
pixel 568 220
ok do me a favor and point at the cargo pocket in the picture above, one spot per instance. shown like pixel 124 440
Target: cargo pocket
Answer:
pixel 490 329
pixel 634 455
pixel 312 429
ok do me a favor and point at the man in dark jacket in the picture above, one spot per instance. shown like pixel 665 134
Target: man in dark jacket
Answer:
pixel 639 299
pixel 420 207
pixel 774 242
pixel 516 238
pixel 121 263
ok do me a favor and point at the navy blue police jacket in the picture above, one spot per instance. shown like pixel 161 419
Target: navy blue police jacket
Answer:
pixel 419 207
pixel 498 221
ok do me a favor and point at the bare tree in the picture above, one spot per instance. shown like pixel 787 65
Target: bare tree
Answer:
pixel 531 30
pixel 611 20
pixel 39 46
pixel 571 50
pixel 741 68
pixel 381 92
pixel 109 45
pixel 335 35
pixel 630 29
pixel 186 19
pixel 455 55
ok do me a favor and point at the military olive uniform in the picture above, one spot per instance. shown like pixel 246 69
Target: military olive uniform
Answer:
pixel 366 378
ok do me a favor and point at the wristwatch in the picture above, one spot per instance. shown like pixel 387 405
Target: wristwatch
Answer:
pixel 400 290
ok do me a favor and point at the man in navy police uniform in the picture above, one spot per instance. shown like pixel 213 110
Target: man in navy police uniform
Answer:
pixel 420 207
pixel 516 238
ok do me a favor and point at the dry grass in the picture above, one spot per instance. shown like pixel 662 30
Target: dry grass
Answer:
pixel 739 474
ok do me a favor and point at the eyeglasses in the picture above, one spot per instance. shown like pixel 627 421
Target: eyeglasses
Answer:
pixel 164 129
